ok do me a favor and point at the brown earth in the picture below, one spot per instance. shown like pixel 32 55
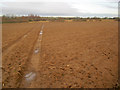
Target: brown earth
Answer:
pixel 18 53
pixel 72 54
pixel 13 32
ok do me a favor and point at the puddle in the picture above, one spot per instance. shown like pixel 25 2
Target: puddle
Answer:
pixel 36 51
pixel 30 76
pixel 41 32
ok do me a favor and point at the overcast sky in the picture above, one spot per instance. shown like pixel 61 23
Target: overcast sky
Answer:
pixel 82 8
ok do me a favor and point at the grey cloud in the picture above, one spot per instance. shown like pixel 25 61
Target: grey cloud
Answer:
pixel 110 5
pixel 38 8
pixel 44 9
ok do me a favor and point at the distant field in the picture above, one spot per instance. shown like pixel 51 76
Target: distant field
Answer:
pixel 70 54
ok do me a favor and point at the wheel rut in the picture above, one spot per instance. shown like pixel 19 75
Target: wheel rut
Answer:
pixel 32 66
pixel 13 43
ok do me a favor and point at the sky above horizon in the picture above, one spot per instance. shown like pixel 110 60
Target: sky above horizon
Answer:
pixel 78 8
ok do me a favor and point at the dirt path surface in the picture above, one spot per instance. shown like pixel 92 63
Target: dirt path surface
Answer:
pixel 64 55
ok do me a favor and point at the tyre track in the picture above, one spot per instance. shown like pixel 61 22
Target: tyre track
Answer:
pixel 27 63
pixel 20 69
pixel 12 44
pixel 34 57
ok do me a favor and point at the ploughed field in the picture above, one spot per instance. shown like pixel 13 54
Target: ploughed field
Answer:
pixel 66 54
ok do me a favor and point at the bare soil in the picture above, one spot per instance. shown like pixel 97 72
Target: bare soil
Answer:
pixel 71 54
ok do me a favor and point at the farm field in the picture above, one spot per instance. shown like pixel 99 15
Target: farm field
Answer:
pixel 60 54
